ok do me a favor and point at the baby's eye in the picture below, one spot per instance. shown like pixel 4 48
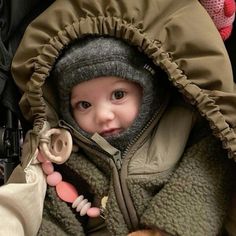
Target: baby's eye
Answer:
pixel 119 94
pixel 83 105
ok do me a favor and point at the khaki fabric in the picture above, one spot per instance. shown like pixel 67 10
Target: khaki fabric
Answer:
pixel 165 146
pixel 23 203
pixel 192 54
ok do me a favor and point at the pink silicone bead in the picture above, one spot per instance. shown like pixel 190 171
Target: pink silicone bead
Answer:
pixel 93 212
pixel 41 158
pixel 47 167
pixel 54 178
pixel 66 191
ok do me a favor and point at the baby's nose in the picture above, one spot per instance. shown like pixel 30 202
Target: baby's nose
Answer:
pixel 104 114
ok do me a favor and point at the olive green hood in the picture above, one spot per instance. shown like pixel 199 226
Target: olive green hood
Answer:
pixel 179 36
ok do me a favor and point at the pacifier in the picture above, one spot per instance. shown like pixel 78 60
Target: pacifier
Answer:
pixel 56 145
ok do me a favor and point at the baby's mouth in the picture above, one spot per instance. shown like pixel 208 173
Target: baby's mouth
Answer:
pixel 111 132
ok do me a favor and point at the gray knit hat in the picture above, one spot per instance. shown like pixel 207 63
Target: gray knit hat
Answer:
pixel 94 57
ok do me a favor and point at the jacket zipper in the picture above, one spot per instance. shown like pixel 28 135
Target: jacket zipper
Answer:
pixel 115 164
pixel 120 170
pixel 128 153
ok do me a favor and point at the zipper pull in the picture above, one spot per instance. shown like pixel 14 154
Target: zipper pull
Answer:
pixel 103 207
pixel 117 159
pixel 115 153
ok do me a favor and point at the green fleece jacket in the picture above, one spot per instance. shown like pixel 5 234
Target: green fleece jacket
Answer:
pixel 192 200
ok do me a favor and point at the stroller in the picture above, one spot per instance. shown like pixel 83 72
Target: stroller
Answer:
pixel 14 127
pixel 14 18
pixel 13 23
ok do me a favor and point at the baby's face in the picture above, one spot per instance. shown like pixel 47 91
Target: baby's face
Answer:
pixel 106 105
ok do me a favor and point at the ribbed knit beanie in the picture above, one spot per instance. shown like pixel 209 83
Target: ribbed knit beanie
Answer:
pixel 93 57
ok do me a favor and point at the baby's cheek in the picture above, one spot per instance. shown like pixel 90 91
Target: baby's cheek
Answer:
pixel 88 124
pixel 75 116
pixel 84 124
pixel 79 120
pixel 130 114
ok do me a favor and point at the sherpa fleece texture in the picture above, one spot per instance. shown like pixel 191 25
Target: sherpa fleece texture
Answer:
pixel 194 201
pixel 190 202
